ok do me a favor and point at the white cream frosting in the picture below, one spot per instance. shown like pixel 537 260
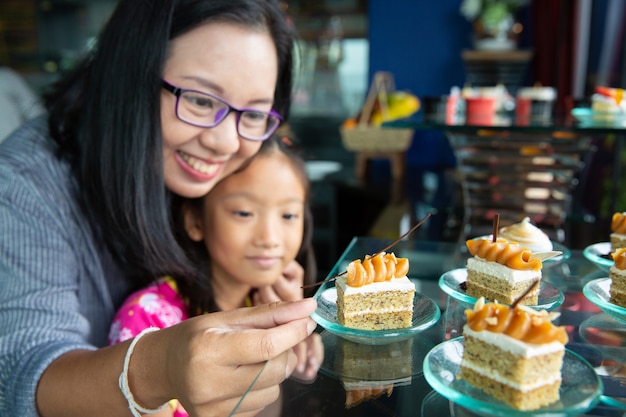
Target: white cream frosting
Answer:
pixel 528 235
pixel 501 271
pixel 619 272
pixel 618 236
pixel 403 284
pixel 516 347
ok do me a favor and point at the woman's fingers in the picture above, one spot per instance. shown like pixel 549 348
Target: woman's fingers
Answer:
pixel 260 317
pixel 246 346
pixel 214 358
pixel 258 387
pixel 249 405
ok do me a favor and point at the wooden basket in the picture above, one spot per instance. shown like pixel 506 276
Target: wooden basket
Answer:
pixel 366 138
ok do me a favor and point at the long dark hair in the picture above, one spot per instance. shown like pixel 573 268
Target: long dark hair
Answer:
pixel 105 115
pixel 196 288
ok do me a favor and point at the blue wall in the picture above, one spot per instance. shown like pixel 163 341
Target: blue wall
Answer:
pixel 420 43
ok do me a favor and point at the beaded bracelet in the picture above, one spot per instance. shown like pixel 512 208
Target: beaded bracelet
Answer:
pixel 135 408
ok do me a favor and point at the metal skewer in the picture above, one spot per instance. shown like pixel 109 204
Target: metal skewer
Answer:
pixel 392 244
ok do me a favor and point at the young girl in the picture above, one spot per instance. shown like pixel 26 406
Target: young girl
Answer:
pixel 251 237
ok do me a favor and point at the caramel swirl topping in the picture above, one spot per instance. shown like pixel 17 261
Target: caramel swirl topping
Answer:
pixel 521 323
pixel 505 253
pixel 619 257
pixel 618 223
pixel 378 268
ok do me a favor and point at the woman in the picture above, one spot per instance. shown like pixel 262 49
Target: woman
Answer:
pixel 84 215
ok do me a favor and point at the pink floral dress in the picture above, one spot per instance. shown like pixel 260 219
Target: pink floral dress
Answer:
pixel 158 305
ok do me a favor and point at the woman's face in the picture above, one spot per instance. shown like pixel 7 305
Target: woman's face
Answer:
pixel 253 221
pixel 233 62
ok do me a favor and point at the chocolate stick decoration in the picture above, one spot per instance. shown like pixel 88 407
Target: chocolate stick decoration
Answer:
pixel 391 245
pixel 528 291
pixel 496 225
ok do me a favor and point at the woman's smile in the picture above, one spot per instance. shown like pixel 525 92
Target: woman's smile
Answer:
pixel 198 168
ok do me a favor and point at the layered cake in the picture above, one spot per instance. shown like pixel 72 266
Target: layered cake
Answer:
pixel 374 369
pixel 528 235
pixel 513 354
pixel 375 294
pixel 618 231
pixel 617 273
pixel 502 271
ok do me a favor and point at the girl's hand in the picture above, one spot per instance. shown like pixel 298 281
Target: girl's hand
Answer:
pixel 310 355
pixel 288 286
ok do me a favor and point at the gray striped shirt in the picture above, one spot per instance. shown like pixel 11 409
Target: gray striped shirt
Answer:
pixel 58 285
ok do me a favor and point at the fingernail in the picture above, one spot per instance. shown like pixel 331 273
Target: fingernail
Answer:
pixel 311 325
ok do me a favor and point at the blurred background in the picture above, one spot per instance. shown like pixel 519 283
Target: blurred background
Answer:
pixel 430 49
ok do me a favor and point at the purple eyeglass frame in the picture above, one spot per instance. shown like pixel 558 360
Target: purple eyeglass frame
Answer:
pixel 178 91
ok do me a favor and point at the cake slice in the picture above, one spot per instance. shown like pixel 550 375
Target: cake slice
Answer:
pixel 376 294
pixel 502 271
pixel 617 273
pixel 618 231
pixel 514 354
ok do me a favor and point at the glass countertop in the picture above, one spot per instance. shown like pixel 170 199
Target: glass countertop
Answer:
pixel 407 393
pixel 585 123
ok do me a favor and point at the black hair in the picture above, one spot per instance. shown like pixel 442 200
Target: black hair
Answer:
pixel 197 289
pixel 105 116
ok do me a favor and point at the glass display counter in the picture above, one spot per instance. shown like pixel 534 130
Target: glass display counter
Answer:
pixel 398 386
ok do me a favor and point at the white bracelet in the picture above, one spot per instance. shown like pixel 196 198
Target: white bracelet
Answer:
pixel 135 408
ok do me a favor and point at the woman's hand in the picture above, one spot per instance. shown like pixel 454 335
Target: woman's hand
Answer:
pixel 206 362
pixel 210 361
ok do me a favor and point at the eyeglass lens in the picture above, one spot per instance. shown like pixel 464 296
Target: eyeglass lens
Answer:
pixel 204 110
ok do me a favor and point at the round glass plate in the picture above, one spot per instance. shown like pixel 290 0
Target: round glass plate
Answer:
pixel 614 401
pixel 389 363
pixel 606 334
pixel 595 254
pixel 580 386
pixel 597 291
pixel 425 314
pixel 565 255
pixel 450 282
pixel 588 118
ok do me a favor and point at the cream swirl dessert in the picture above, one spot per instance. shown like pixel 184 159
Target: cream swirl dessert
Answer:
pixel 528 235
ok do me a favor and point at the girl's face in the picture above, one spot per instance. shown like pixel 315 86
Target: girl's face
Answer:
pixel 253 221
pixel 233 62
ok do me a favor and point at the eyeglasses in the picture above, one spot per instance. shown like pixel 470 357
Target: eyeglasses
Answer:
pixel 206 110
